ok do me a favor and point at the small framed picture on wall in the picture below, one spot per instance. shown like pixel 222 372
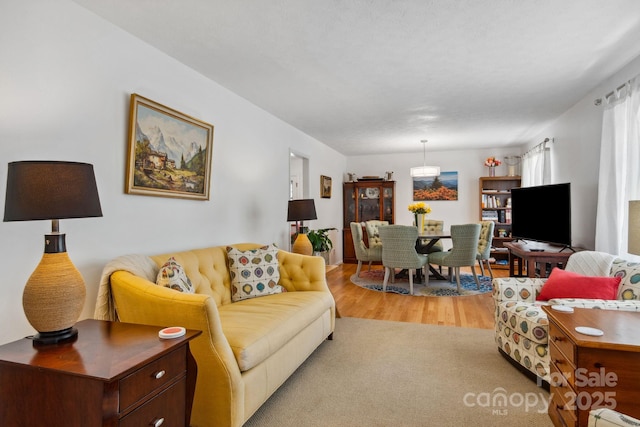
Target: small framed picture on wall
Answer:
pixel 325 187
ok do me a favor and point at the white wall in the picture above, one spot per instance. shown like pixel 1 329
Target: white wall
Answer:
pixel 468 163
pixel 576 154
pixel 65 83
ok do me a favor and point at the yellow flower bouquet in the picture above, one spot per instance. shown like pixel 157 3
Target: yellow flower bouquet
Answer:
pixel 420 208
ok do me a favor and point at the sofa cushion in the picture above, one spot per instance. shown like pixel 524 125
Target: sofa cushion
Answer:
pixel 254 272
pixel 629 273
pixel 172 275
pixel 258 327
pixel 567 284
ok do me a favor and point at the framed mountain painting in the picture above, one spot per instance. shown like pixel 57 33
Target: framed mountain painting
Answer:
pixel 169 152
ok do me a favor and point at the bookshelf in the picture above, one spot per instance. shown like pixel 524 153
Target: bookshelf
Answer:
pixel 495 205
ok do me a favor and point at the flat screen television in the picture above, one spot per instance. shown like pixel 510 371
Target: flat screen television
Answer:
pixel 542 213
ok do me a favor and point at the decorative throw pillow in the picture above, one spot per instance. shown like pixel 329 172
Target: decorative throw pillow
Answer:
pixel 254 273
pixel 173 276
pixel 567 284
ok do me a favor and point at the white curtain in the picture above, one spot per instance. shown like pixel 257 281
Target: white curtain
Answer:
pixel 619 179
pixel 534 166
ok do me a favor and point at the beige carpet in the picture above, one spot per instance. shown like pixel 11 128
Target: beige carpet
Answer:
pixel 380 373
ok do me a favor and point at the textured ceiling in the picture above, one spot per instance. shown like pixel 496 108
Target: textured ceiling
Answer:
pixel 377 76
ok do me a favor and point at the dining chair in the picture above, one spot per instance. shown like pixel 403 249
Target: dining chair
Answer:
pixel 484 245
pixel 364 253
pixel 399 251
pixel 431 225
pixel 464 238
pixel 372 231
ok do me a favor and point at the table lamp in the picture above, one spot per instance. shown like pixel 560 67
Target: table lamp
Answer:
pixel 301 210
pixel 54 294
pixel 634 227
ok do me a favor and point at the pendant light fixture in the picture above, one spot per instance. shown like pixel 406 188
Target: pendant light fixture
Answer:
pixel 424 170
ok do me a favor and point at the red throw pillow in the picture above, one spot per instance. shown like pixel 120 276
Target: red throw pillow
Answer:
pixel 567 284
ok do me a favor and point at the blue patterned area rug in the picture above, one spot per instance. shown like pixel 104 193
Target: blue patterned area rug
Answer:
pixel 437 288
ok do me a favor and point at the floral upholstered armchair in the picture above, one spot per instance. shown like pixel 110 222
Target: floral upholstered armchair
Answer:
pixel 522 328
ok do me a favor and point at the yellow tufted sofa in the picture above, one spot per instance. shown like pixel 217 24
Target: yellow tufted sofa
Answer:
pixel 247 348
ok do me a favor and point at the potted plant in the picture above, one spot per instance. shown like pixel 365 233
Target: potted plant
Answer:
pixel 321 242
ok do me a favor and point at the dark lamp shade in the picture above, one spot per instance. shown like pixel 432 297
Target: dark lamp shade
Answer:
pixel 301 210
pixel 50 190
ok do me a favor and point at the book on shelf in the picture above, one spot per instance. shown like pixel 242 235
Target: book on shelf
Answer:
pixel 491 201
pixel 489 215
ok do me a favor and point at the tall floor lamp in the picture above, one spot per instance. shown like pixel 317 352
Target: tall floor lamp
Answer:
pixel 301 210
pixel 54 294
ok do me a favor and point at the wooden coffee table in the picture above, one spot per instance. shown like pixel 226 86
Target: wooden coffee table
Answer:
pixel 589 372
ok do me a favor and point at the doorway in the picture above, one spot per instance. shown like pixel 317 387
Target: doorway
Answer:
pixel 298 184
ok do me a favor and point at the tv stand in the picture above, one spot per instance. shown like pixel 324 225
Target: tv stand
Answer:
pixel 532 259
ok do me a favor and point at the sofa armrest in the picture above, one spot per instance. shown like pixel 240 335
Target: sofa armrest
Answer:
pixel 219 382
pixel 604 417
pixel 632 305
pixel 302 272
pixel 523 289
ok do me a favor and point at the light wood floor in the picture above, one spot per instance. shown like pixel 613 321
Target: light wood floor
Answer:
pixel 474 311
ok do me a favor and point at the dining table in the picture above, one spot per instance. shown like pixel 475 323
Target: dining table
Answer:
pixel 425 241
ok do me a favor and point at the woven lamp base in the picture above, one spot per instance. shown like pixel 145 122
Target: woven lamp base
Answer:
pixel 302 245
pixel 53 298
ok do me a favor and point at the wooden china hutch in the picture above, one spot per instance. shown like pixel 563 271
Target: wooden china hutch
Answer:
pixel 365 200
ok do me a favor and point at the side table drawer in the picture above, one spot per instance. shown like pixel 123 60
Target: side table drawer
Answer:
pixel 560 414
pixel 151 377
pixel 166 409
pixel 560 366
pixel 562 343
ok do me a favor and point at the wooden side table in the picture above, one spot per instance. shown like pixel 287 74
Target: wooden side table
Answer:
pixel 589 372
pixel 523 254
pixel 114 374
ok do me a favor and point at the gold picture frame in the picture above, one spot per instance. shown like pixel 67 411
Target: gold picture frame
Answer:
pixel 325 187
pixel 169 152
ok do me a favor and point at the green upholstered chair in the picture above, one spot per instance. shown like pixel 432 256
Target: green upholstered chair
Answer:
pixel 463 252
pixel 484 245
pixel 364 253
pixel 399 251
pixel 372 231
pixel 431 225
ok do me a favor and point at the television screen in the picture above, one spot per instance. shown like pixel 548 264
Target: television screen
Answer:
pixel 542 213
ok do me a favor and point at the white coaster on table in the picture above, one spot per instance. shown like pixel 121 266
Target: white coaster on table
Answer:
pixel 172 332
pixel 586 330
pixel 562 308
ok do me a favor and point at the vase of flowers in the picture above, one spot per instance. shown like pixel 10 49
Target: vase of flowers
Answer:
pixel 491 163
pixel 420 210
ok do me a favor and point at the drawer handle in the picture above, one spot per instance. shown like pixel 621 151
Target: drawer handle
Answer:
pixel 159 375
pixel 556 338
pixel 157 422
